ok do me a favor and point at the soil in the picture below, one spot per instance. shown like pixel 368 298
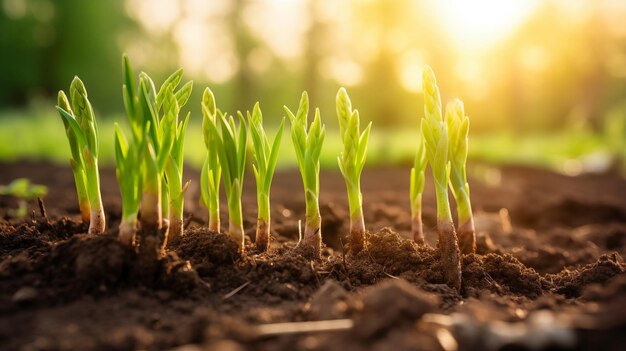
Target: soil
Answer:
pixel 548 272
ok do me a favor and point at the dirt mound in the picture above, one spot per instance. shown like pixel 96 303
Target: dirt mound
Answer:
pixel 572 282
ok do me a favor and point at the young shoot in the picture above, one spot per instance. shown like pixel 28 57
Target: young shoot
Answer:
pixel 266 155
pixel 82 133
pixel 175 186
pixel 416 191
pixel 174 193
pixel 23 190
pixel 230 142
pixel 211 169
pixel 76 160
pixel 128 178
pixel 153 142
pixel 458 127
pixel 307 142
pixel 351 162
pixel 435 134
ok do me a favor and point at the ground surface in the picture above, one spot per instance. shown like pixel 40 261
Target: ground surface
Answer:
pixel 548 273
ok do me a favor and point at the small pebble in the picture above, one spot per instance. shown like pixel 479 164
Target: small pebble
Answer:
pixel 25 294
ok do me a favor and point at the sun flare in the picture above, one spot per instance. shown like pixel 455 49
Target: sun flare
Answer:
pixel 482 23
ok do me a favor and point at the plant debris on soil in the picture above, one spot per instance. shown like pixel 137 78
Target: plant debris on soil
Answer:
pixel 548 272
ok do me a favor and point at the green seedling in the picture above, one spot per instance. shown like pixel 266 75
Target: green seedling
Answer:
pixel 176 188
pixel 458 127
pixel 211 169
pixel 151 150
pixel 416 191
pixel 174 195
pixel 230 142
pixel 435 134
pixel 23 190
pixel 307 142
pixel 82 133
pixel 127 158
pixel 351 162
pixel 76 161
pixel 266 155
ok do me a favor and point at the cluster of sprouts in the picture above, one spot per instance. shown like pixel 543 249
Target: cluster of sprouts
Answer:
pixel 149 166
pixel 443 145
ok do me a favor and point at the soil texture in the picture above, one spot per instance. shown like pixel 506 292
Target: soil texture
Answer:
pixel 548 272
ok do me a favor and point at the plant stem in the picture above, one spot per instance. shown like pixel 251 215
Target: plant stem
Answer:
pixel 128 229
pixel 176 202
pixel 209 191
pixel 466 231
pixel 312 231
pixel 417 228
pixel 448 245
pixel 175 232
pixel 235 217
pixel 97 221
pixel 81 192
pixel 357 224
pixel 153 237
pixel 214 219
pixel 262 239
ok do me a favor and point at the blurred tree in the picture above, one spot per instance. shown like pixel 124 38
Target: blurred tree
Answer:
pixel 245 43
pixel 50 42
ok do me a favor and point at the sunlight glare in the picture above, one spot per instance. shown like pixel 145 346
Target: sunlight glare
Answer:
pixel 482 23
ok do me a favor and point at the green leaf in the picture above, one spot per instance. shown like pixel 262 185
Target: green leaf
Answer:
pixel 344 110
pixel 69 119
pixel 204 186
pixel 303 109
pixel 172 81
pixel 182 95
pixel 273 157
pixel 362 150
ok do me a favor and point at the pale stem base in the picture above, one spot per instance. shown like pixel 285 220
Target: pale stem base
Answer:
pixel 467 236
pixel 97 222
pixel 450 254
pixel 262 241
pixel 85 211
pixel 176 230
pixel 357 233
pixel 312 240
pixel 214 221
pixel 417 228
pixel 235 231
pixel 152 235
pixel 127 231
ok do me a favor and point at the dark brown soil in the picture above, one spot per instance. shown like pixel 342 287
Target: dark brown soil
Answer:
pixel 548 272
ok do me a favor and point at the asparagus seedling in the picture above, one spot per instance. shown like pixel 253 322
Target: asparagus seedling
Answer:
pixel 458 127
pixel 76 160
pixel 230 142
pixel 307 142
pixel 211 169
pixel 435 134
pixel 266 156
pixel 417 188
pixel 84 141
pixel 351 164
pixel 175 186
pixel 128 178
pixel 173 189
pixel 153 144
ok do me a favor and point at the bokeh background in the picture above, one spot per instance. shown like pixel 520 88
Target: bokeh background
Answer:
pixel 544 82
